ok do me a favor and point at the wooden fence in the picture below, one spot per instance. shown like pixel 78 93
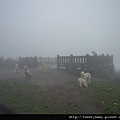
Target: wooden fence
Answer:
pixel 35 61
pixel 29 61
pixel 47 60
pixel 86 63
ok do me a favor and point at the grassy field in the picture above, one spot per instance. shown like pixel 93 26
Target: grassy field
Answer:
pixel 106 96
pixel 24 97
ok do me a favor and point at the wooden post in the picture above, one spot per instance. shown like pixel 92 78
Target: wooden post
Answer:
pixel 87 57
pixel 103 60
pixel 36 61
pixel 20 62
pixel 96 60
pixel 58 67
pixel 29 61
pixel 26 61
pixel 112 59
pixel 71 60
pixel 40 60
pixel 108 59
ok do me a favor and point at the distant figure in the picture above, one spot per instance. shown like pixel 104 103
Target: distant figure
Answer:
pixel 18 62
pixel 46 67
pixel 27 72
pixel 16 70
pixel 43 66
pixel 94 53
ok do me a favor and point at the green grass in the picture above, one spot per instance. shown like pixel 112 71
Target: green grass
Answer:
pixel 106 96
pixel 24 97
pixel 28 98
pixel 21 96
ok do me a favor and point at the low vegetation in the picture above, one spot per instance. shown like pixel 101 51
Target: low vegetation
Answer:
pixel 7 62
pixel 106 96
pixel 25 97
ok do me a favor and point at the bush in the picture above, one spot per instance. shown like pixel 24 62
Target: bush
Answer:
pixel 117 75
pixel 8 62
pixel 103 72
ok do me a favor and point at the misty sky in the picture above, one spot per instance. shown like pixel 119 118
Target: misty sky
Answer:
pixel 59 27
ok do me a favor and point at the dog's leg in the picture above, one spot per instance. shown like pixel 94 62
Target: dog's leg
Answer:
pixel 85 84
pixel 26 75
pixel 80 84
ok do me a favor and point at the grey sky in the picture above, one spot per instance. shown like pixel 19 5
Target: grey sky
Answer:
pixel 50 27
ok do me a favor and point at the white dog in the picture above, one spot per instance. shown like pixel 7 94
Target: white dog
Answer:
pixel 16 70
pixel 81 82
pixel 43 65
pixel 27 72
pixel 46 67
pixel 82 73
pixel 86 76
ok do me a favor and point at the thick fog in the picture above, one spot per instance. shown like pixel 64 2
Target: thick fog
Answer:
pixel 60 27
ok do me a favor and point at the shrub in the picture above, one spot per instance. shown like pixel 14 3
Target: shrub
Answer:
pixel 8 62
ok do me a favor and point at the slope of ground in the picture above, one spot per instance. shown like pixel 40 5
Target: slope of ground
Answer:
pixel 56 92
